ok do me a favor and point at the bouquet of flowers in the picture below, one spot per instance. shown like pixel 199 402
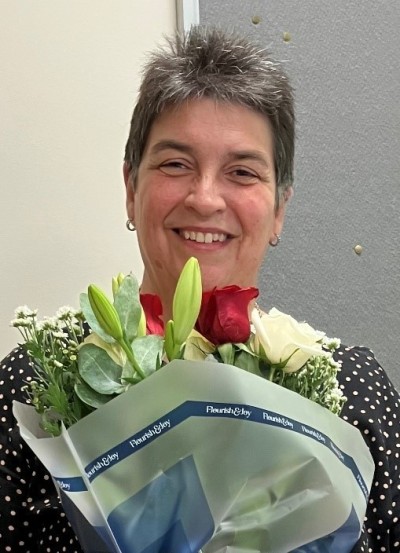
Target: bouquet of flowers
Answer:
pixel 190 437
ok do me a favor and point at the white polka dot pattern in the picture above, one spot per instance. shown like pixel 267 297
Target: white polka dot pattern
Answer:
pixel 373 407
pixel 32 520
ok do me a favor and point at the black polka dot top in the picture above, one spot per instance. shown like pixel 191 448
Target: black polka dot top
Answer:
pixel 32 519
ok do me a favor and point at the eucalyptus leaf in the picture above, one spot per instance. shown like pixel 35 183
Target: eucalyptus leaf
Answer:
pixel 129 375
pixel 87 311
pixel 130 380
pixel 127 304
pixel 114 350
pixel 148 351
pixel 89 396
pixel 99 371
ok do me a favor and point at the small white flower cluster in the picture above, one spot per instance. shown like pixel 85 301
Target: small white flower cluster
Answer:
pixel 64 317
pixel 317 381
pixel 23 311
pixel 20 323
pixel 24 317
pixel 67 313
pixel 49 324
pixel 331 343
pixel 52 343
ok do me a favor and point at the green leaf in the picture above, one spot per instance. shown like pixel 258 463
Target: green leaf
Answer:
pixel 245 348
pixel 89 396
pixel 130 380
pixel 50 424
pixel 227 353
pixel 148 350
pixel 56 398
pixel 247 362
pixel 99 371
pixel 91 319
pixel 114 350
pixel 127 304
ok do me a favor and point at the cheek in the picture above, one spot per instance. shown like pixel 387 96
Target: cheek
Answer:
pixel 156 201
pixel 152 208
pixel 146 208
pixel 258 215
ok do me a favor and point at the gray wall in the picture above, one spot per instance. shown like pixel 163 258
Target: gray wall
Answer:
pixel 344 62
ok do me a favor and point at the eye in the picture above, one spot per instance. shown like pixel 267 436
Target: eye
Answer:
pixel 243 175
pixel 174 167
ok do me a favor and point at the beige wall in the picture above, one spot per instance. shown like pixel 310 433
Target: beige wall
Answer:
pixel 69 74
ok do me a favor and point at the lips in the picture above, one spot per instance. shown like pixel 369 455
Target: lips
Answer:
pixel 203 237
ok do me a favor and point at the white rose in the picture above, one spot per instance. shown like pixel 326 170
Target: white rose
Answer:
pixel 285 341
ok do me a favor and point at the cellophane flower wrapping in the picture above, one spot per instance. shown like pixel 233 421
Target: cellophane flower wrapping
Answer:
pixel 206 457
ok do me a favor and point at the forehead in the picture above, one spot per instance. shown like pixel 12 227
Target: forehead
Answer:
pixel 209 121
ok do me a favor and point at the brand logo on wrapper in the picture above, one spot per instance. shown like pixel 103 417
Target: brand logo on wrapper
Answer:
pixel 64 485
pixel 311 432
pixel 104 462
pixel 337 451
pixel 156 430
pixel 228 410
pixel 282 421
pixel 74 484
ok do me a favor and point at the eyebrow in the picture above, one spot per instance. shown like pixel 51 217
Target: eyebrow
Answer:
pixel 171 145
pixel 236 155
pixel 254 155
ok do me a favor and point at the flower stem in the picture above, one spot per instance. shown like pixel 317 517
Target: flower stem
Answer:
pixel 131 358
pixel 272 373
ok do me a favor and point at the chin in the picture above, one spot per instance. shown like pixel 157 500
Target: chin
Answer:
pixel 218 275
pixel 219 281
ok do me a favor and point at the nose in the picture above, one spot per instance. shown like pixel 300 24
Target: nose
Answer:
pixel 205 196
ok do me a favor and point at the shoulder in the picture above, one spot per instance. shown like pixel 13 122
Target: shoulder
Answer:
pixel 15 371
pixel 373 406
pixel 362 376
pixel 372 400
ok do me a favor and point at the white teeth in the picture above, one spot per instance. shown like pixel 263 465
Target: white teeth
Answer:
pixel 203 237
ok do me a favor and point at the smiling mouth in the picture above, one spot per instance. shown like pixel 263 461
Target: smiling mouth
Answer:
pixel 202 237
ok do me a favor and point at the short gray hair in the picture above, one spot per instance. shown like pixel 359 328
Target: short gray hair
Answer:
pixel 221 65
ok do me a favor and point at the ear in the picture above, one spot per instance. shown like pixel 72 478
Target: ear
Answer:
pixel 130 191
pixel 280 212
pixel 279 218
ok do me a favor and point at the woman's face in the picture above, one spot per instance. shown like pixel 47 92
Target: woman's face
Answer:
pixel 205 188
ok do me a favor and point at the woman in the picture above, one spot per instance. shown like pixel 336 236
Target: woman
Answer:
pixel 208 172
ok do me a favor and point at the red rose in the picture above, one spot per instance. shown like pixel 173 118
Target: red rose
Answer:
pixel 152 308
pixel 224 316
